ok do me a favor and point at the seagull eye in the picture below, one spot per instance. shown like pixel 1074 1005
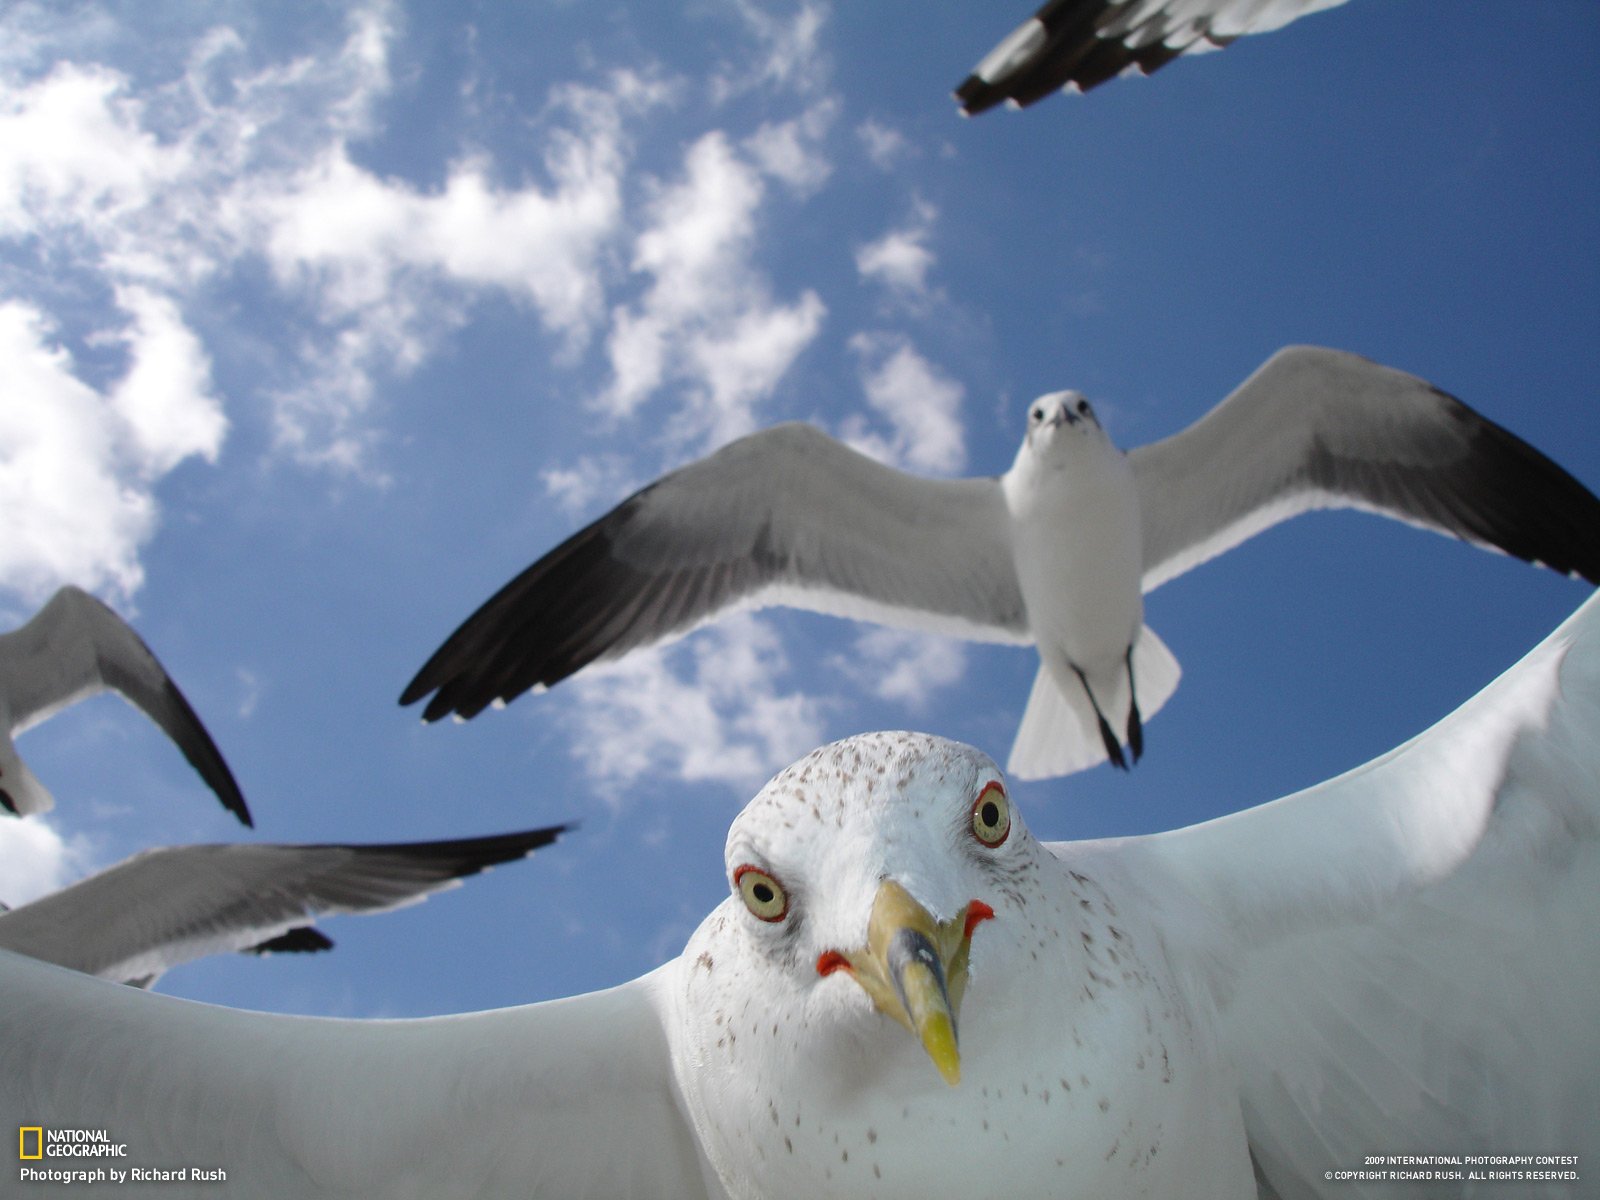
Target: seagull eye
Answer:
pixel 1083 407
pixel 991 815
pixel 1037 414
pixel 762 894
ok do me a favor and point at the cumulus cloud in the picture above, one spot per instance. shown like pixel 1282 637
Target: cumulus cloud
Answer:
pixel 77 467
pixel 36 860
pixel 788 51
pixel 886 147
pixel 900 260
pixel 790 150
pixel 591 481
pixel 903 665
pixel 707 319
pixel 920 404
pixel 706 709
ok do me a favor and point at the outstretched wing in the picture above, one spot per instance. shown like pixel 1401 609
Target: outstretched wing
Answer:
pixel 572 1098
pixel 1083 43
pixel 784 516
pixel 1317 428
pixel 1406 958
pixel 75 647
pixel 144 916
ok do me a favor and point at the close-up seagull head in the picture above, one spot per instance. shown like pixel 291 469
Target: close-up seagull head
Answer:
pixel 1055 418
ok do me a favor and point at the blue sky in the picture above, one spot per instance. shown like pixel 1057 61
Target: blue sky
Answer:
pixel 316 328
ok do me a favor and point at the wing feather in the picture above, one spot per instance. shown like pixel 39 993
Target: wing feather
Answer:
pixel 1405 958
pixel 1317 428
pixel 572 1098
pixel 784 516
pixel 160 908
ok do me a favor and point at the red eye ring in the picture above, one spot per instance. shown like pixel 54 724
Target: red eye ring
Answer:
pixel 991 816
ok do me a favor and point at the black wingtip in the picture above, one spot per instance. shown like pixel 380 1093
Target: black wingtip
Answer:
pixel 305 940
pixel 204 757
pixel 7 803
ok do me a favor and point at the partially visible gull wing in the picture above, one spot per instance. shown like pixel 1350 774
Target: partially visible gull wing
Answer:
pixel 784 516
pixel 1318 428
pixel 160 908
pixel 1406 958
pixel 572 1098
pixel 1082 43
pixel 75 647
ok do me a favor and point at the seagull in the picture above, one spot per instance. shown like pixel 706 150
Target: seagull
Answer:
pixel 75 647
pixel 135 921
pixel 906 994
pixel 1082 43
pixel 1055 553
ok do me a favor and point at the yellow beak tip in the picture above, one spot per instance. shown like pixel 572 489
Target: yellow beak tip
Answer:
pixel 939 1040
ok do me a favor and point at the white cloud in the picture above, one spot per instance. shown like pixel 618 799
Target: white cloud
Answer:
pixel 723 721
pixel 920 403
pixel 900 259
pixel 707 319
pixel 789 150
pixel 36 860
pixel 589 482
pixel 903 665
pixel 165 398
pixel 886 147
pixel 73 154
pixel 789 53
pixel 75 493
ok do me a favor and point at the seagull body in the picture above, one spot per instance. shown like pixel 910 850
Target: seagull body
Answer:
pixel 75 647
pixel 1057 552
pixel 906 994
pixel 136 920
pixel 1079 44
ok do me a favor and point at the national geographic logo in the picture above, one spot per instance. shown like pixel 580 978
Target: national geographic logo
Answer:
pixel 36 1142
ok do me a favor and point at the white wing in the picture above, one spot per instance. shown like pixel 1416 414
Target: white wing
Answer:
pixel 572 1098
pixel 134 921
pixel 784 516
pixel 1406 959
pixel 75 647
pixel 1082 43
pixel 1317 428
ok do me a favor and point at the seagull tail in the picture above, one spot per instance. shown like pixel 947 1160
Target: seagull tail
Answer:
pixel 1060 732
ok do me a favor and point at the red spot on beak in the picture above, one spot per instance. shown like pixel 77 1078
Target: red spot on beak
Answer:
pixel 977 913
pixel 830 961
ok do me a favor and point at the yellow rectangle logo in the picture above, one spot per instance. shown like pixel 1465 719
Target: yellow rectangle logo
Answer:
pixel 38 1141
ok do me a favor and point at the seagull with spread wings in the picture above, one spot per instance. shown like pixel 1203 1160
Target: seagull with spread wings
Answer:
pixel 905 994
pixel 134 921
pixel 1079 44
pixel 75 647
pixel 1055 553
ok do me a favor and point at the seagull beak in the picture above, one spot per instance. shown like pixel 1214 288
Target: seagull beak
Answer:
pixel 915 969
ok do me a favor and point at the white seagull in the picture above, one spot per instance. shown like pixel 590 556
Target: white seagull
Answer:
pixel 133 922
pixel 75 647
pixel 1079 44
pixel 1056 552
pixel 1402 960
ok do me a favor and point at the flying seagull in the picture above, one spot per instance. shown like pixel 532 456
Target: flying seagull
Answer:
pixel 1082 43
pixel 135 921
pixel 904 994
pixel 1056 552
pixel 75 647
